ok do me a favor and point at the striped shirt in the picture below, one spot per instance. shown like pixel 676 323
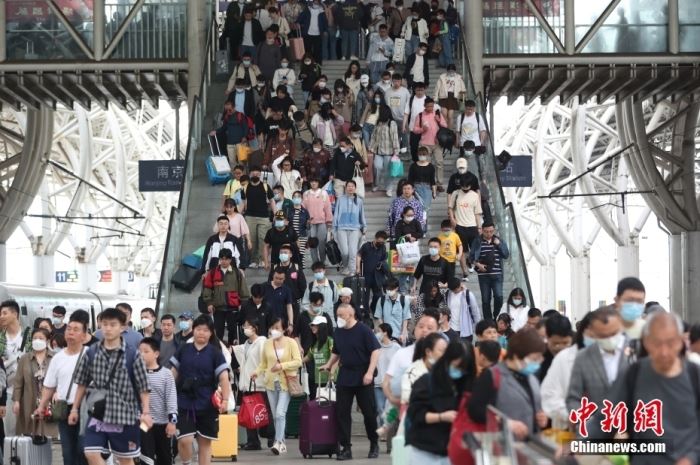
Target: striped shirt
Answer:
pixel 491 257
pixel 163 400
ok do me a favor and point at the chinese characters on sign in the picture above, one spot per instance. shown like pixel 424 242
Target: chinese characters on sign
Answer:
pixel 161 175
pixel 646 416
pixel 518 173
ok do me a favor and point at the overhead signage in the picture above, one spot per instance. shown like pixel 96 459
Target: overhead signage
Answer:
pixel 518 173
pixel 161 175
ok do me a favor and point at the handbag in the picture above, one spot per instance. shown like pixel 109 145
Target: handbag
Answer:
pixel 409 252
pixel 59 408
pixel 294 386
pixel 242 152
pixel 395 167
pixel 233 299
pixel 326 392
pixel 437 46
pixel 253 413
pixel 97 400
pixel 395 266
pixel 359 182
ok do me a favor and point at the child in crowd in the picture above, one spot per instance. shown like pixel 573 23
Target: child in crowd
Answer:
pixel 450 248
pixel 299 217
pixel 233 186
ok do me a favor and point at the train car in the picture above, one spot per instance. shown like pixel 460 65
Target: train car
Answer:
pixel 35 302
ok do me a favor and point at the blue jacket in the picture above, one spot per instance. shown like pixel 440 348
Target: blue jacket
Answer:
pixel 234 129
pixel 304 20
pixel 304 218
pixel 349 214
pixel 475 251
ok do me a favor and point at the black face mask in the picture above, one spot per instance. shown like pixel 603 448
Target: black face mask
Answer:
pixel 255 179
pixel 379 246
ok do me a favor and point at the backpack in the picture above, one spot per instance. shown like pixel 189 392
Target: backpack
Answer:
pixel 464 424
pixel 330 283
pixel 461 121
pixel 130 357
pixel 402 301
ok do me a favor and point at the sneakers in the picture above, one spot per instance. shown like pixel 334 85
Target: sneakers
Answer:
pixel 373 451
pixel 471 269
pixel 344 454
pixel 282 448
pixel 388 193
pixel 382 432
pixel 465 279
pixel 253 265
pixel 276 448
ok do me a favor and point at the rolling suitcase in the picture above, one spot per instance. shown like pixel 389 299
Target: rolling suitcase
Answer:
pixel 193 261
pixel 214 177
pixel 28 450
pixel 333 252
pixel 357 284
pixel 226 445
pixel 293 411
pixel 186 278
pixel 218 159
pixel 317 431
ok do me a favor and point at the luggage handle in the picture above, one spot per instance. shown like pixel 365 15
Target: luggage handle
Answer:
pixel 252 386
pixel 38 431
pixel 322 400
pixel 218 148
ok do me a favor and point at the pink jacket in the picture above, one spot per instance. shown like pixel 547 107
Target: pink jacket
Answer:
pixel 319 206
pixel 432 121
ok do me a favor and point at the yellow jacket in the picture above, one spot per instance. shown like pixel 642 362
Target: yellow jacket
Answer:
pixel 289 357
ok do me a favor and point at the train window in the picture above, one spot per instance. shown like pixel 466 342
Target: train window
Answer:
pixel 23 309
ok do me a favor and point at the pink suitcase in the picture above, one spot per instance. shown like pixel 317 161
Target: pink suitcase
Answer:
pixel 317 428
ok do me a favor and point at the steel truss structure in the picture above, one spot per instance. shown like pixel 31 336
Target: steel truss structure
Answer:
pixel 72 175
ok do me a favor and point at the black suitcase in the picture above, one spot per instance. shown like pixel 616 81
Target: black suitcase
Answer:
pixel 333 252
pixel 357 284
pixel 293 416
pixel 186 278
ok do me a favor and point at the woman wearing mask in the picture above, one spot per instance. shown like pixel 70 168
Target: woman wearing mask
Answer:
pixel 285 76
pixel 31 370
pixel 370 114
pixel 349 225
pixel 343 104
pixel 283 101
pixel 315 163
pixel 298 217
pixel 516 308
pixel 450 91
pixel 503 324
pixel 324 124
pixel 248 356
pixel 389 347
pixel 422 174
pixel 362 99
pixel 409 227
pixel 427 352
pixel 288 178
pixel 360 147
pixel 434 298
pixel 352 77
pixel 384 143
pixel 318 204
pixel 433 405
pixel 514 389
pixel 320 350
pixel 281 359
pixel 309 72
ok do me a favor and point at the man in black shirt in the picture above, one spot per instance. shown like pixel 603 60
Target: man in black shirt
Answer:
pixel 279 298
pixel 357 350
pixel 257 203
pixel 280 233
pixel 294 277
pixel 343 165
pixel 431 267
pixel 371 256
pixel 256 308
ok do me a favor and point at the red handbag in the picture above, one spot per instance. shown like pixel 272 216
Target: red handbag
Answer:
pixel 253 413
pixel 233 299
pixel 464 424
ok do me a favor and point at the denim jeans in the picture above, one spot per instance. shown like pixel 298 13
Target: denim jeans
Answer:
pixel 328 49
pixel 348 243
pixel 445 57
pixel 380 401
pixel 367 130
pixel 491 283
pixel 405 282
pixel 349 43
pixel 71 445
pixel 319 231
pixel 279 401
pixel 381 166
pixel 376 68
pixel 412 46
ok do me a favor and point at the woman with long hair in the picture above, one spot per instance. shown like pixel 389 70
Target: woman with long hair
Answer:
pixel 344 104
pixel 431 299
pixel 281 360
pixel 370 113
pixel 384 143
pixel 199 368
pixel 362 99
pixel 505 331
pixel 309 72
pixel 352 77
pixel 516 308
pixel 324 125
pixel 348 226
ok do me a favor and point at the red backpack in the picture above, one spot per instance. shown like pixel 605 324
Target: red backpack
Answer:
pixel 456 450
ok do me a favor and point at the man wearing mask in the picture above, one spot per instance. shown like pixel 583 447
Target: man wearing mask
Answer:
pixel 417 67
pixel 343 165
pixel 279 235
pixel 394 310
pixel 247 34
pixel 381 50
pixel 487 253
pixel 323 285
pixel 257 198
pixel 243 98
pixel 357 350
pixel 185 327
pixel 414 107
pixel 58 316
pixel 148 324
pixel 629 301
pixel 256 309
pixel 397 97
pixel 294 277
pixel 371 259
pixel 245 70
pixel 268 55
pixel 597 367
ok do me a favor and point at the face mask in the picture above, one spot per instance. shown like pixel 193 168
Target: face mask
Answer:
pixel 461 170
pixel 341 323
pixel 319 275
pixel 446 233
pixel 356 135
pixel 503 342
pixel 283 256
pixel 317 149
pixel 307 62
pixel 261 85
pixel 239 91
pixel 184 325
pixel 631 311
pixel 248 332
pixel 377 100
pixel 246 63
pixel 386 82
pixel 275 333
pixel 323 100
pixel 451 73
pixel 146 322
pixel 433 251
pixel 279 224
pixel 38 344
pixel 296 200
pixel 588 341
pixel 422 158
pixel 379 336
pixel 609 344
pixel 421 52
pixel 284 65
pixel 517 302
pixel 455 373
pixel 315 310
pixel 255 179
pixel 277 197
pixel 270 41
pixel 339 90
pixel 57 320
pixel 391 71
pixel 410 218
pixel 431 361
pixel 391 294
pixel 322 84
pixel 530 368
pixel 347 150
pixel 440 18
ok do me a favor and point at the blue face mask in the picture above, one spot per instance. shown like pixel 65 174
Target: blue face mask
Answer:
pixel 588 341
pixel 503 341
pixel 631 311
pixel 319 275
pixel 433 251
pixel 296 200
pixel 184 325
pixel 455 373
pixel 279 223
pixel 530 369
pixel 284 257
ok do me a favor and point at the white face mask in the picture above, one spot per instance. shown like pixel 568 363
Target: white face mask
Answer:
pixel 38 344
pixel 317 149
pixel 341 323
pixel 609 344
pixel 248 332
pixel 146 322
pixel 275 333
pixel 517 302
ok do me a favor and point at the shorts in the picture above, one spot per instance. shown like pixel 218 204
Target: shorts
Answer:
pixel 203 423
pixel 126 444
pixel 467 234
pixel 449 103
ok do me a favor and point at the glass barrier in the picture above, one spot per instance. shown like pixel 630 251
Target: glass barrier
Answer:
pixel 515 269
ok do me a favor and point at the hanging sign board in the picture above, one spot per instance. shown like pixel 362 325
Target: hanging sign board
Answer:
pixel 518 173
pixel 161 175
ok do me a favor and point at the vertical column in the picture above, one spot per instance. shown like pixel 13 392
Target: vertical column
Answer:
pixel 195 51
pixel 475 47
pixel 580 286
pixel 675 273
pixel 548 285
pixel 673 27
pixel 628 260
pixel 98 29
pixel 44 271
pixel 690 246
pixel 569 27
pixel 3 262
pixel 3 34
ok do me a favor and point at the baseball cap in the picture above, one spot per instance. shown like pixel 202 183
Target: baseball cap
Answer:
pixel 364 79
pixel 186 316
pixel 345 292
pixel 319 320
pixel 280 215
pixel 461 163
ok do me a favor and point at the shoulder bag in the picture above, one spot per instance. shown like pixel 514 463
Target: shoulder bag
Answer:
pixel 294 386
pixel 59 408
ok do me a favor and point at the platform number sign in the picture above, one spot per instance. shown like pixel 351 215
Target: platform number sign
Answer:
pixel 67 276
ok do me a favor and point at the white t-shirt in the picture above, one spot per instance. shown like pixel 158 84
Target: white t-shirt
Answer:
pixel 398 365
pixel 469 130
pixel 314 29
pixel 417 70
pixel 13 351
pixel 414 111
pixel 60 374
pixel 248 34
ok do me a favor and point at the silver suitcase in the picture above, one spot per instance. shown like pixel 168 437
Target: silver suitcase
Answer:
pixel 22 450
